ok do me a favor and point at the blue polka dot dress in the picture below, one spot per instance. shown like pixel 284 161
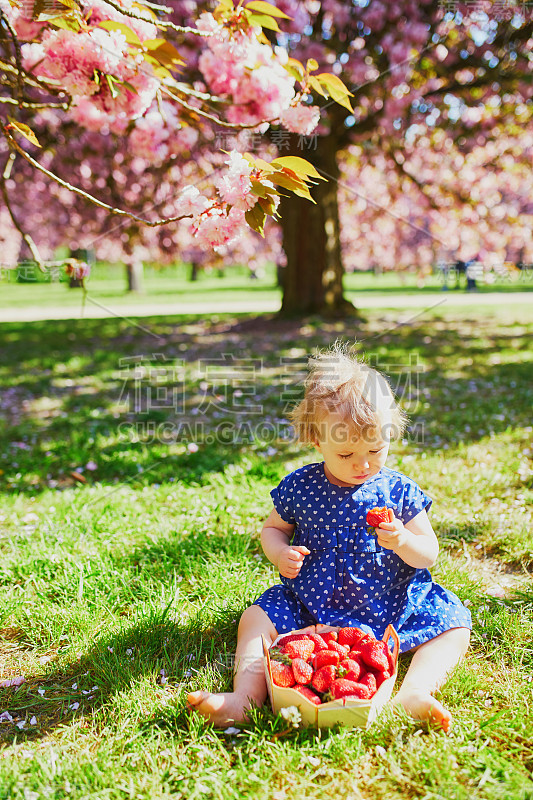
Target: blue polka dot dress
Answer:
pixel 348 579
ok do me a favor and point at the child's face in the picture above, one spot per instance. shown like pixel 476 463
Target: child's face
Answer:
pixel 350 461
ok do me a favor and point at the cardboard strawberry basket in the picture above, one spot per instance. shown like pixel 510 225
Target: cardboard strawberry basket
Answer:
pixel 351 713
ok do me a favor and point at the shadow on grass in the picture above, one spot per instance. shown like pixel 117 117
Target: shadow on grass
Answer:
pixel 93 688
pixel 70 397
pixel 95 683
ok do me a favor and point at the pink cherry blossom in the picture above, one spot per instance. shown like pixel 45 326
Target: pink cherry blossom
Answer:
pixel 300 119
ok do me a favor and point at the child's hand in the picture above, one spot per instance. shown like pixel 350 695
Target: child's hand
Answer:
pixel 291 559
pixel 391 535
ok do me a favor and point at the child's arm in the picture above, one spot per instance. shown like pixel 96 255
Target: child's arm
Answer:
pixel 275 538
pixel 415 542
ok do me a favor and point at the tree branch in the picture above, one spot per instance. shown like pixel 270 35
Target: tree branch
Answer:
pixel 76 190
pixel 26 236
pixel 159 23
pixel 16 48
pixel 234 125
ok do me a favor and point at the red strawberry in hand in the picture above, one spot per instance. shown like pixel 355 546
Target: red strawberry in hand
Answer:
pixel 376 516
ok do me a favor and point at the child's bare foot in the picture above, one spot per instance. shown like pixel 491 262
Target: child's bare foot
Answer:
pixel 420 704
pixel 221 709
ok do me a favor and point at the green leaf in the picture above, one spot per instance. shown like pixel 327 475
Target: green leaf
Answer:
pixel 315 84
pixel 72 4
pixel 158 70
pixel 224 9
pixel 66 23
pixel 262 21
pixel 298 165
pixel 165 53
pixel 111 82
pixel 255 217
pixel 262 191
pixel 258 188
pixel 295 68
pixel 259 163
pixel 293 184
pixel 24 130
pixel 266 8
pixel 111 25
pixel 311 65
pixel 268 205
pixel 281 179
pixel 336 88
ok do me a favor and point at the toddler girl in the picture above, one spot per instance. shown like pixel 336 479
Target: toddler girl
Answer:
pixel 335 570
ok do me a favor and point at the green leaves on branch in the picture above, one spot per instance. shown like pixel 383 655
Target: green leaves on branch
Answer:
pixel 329 85
pixel 325 83
pixel 23 129
pixel 289 172
pixel 256 14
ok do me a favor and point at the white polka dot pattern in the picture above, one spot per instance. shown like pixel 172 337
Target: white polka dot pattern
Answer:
pixel 348 579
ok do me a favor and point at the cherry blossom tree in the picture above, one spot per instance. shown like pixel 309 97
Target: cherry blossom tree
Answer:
pixel 414 69
pixel 430 82
pixel 105 66
pixel 473 204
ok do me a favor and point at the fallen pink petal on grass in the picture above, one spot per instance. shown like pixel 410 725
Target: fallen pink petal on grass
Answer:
pixel 12 682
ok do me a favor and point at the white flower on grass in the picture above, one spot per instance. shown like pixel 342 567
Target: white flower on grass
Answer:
pixel 33 721
pixel 74 706
pixel 232 730
pixel 292 715
pixel 41 691
pixel 192 447
pixel 5 716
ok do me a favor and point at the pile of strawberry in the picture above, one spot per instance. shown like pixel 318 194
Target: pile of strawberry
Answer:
pixel 347 663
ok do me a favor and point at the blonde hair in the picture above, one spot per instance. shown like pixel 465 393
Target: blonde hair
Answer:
pixel 338 382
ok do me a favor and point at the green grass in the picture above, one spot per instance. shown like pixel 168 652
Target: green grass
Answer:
pixel 107 284
pixel 123 554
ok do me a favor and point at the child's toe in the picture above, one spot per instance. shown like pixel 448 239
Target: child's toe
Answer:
pixel 195 698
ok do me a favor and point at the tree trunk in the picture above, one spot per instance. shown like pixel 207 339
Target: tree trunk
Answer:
pixel 311 239
pixel 134 274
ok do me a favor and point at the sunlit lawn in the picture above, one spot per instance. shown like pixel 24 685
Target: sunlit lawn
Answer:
pixel 107 284
pixel 129 547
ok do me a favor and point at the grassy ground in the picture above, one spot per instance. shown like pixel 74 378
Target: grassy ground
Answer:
pixel 108 285
pixel 135 469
